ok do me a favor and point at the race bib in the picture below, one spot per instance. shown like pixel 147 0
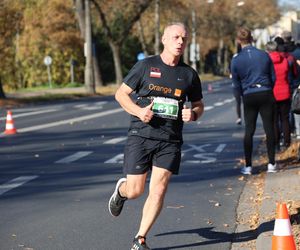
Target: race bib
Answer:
pixel 165 108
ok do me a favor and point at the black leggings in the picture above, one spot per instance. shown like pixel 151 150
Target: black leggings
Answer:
pixel 263 103
pixel 282 122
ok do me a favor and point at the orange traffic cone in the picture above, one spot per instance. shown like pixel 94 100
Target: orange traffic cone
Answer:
pixel 282 237
pixel 9 128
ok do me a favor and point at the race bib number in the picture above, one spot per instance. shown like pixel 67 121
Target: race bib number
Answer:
pixel 165 107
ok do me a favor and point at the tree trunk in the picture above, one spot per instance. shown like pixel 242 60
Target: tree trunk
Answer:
pixel 219 56
pixel 97 72
pixel 117 61
pixel 142 37
pixel 226 64
pixel 80 14
pixel 157 25
pixel 2 94
pixel 88 76
pixel 116 43
pixel 186 55
pixel 187 49
pixel 194 47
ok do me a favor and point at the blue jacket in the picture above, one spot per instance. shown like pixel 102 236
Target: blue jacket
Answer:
pixel 252 70
pixel 296 79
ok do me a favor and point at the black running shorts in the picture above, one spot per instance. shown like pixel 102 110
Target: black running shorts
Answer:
pixel 143 153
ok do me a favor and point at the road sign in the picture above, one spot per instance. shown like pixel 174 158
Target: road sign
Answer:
pixel 140 56
pixel 47 60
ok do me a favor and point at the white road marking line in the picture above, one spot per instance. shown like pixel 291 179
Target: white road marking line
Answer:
pixel 74 157
pixel 92 108
pixel 220 148
pixel 219 104
pixel 196 147
pixel 229 100
pixel 14 183
pixel 208 108
pixel 238 135
pixel 101 103
pixel 80 105
pixel 116 159
pixel 32 113
pixel 92 105
pixel 115 140
pixel 78 119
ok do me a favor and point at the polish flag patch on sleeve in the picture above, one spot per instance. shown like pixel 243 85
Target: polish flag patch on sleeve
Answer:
pixel 155 72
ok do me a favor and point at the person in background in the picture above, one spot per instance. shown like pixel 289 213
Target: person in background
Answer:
pixel 237 95
pixel 296 53
pixel 289 43
pixel 253 72
pixel 238 105
pixel 282 95
pixel 163 84
pixel 296 84
pixel 285 46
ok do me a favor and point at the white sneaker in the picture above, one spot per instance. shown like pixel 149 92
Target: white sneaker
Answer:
pixel 272 168
pixel 238 121
pixel 246 170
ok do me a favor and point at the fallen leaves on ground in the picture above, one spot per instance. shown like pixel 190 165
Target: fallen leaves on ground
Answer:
pixel 286 158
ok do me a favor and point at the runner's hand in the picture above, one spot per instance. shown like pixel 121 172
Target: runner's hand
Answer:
pixel 187 114
pixel 147 113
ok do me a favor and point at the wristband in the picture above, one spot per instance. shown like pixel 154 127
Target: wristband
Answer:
pixel 195 116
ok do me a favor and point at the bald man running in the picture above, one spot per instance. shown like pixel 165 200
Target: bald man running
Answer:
pixel 163 84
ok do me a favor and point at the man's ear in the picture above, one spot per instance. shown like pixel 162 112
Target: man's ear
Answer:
pixel 163 39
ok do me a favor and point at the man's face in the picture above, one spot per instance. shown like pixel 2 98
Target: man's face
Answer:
pixel 175 40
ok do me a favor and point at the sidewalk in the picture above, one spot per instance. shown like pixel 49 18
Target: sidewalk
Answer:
pixel 283 186
pixel 264 190
pixel 78 90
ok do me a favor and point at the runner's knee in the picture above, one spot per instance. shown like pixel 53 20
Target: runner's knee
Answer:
pixel 134 192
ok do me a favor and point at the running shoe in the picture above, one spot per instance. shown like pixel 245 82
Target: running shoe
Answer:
pixel 238 121
pixel 272 168
pixel 116 202
pixel 139 243
pixel 246 170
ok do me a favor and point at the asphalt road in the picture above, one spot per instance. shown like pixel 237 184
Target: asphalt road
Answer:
pixel 58 172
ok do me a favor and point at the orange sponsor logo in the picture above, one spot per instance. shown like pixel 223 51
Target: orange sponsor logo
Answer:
pixel 158 88
pixel 177 92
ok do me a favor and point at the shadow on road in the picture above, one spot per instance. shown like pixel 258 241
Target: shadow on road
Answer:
pixel 217 237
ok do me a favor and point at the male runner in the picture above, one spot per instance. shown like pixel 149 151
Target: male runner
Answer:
pixel 163 83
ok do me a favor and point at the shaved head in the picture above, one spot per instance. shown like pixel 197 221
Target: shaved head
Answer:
pixel 174 40
pixel 170 25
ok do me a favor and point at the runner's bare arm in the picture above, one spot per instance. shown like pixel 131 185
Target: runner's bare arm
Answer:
pixel 123 97
pixel 193 113
pixel 198 109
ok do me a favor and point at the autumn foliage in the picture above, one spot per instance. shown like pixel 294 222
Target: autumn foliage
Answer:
pixel 30 30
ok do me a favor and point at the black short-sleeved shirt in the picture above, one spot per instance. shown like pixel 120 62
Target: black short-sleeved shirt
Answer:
pixel 151 77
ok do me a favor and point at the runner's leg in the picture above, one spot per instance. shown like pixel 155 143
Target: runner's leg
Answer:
pixel 157 189
pixel 134 186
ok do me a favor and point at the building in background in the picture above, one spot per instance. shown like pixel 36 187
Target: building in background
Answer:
pixel 289 21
